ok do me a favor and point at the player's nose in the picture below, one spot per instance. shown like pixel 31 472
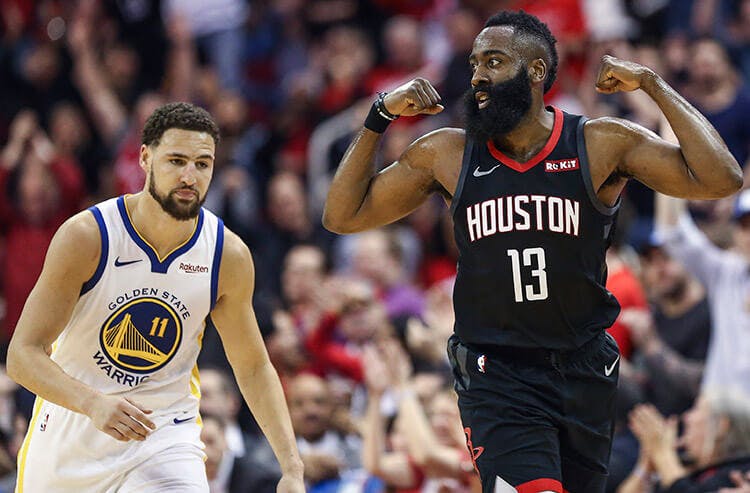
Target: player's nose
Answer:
pixel 479 77
pixel 188 174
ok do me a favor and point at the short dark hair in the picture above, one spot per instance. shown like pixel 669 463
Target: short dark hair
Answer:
pixel 527 24
pixel 185 116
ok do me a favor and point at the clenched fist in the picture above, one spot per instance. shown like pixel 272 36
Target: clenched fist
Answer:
pixel 416 97
pixel 620 75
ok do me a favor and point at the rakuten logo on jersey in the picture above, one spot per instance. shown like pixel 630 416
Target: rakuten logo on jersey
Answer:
pixel 561 165
pixel 192 269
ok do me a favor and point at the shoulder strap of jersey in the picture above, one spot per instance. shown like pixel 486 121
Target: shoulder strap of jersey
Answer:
pixel 465 163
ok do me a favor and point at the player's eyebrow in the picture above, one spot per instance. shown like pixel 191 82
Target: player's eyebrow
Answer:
pixel 487 53
pixel 185 156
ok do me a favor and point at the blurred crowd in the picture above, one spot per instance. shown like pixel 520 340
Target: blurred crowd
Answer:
pixel 357 325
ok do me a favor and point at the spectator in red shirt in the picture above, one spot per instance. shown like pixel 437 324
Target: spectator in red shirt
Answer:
pixel 622 283
pixel 38 191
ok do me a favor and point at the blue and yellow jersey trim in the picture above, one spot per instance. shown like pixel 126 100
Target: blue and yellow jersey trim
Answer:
pixel 216 264
pixel 89 285
pixel 158 264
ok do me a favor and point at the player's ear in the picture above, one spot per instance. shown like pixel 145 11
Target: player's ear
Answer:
pixel 537 71
pixel 144 159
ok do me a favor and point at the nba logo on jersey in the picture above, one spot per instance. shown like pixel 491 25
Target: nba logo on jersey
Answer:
pixel 480 363
pixel 43 424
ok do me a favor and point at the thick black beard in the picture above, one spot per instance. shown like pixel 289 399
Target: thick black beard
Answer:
pixel 509 102
pixel 171 206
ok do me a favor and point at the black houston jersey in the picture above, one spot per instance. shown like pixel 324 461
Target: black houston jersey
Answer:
pixel 532 239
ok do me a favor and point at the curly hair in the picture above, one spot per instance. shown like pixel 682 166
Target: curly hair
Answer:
pixel 529 25
pixel 185 116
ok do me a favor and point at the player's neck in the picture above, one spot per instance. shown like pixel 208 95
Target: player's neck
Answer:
pixel 163 232
pixel 529 136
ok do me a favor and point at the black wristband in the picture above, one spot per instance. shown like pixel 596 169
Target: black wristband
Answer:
pixel 379 118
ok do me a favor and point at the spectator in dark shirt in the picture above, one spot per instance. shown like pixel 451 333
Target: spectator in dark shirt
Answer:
pixel 717 90
pixel 715 438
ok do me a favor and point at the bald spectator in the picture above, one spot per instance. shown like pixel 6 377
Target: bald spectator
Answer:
pixel 220 397
pixel 326 454
pixel 228 473
pixel 378 257
pixel 288 223
pixel 302 277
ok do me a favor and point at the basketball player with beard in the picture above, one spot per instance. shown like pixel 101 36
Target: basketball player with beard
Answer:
pixel 109 336
pixel 533 192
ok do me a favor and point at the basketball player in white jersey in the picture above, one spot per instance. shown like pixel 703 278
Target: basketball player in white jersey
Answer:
pixel 109 336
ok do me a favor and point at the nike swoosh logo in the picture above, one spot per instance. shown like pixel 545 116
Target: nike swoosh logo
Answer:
pixel 609 369
pixel 127 262
pixel 178 421
pixel 478 173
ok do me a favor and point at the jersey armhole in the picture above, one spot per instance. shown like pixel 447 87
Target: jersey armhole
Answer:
pixel 89 285
pixel 216 264
pixel 468 149
pixel 583 158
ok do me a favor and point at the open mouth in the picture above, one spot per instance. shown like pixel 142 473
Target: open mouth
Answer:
pixel 482 99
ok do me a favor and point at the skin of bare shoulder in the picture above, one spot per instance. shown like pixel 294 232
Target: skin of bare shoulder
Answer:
pixel 77 243
pixel 72 259
pixel 440 152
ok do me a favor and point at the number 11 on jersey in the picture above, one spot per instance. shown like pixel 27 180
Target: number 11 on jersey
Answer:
pixel 531 257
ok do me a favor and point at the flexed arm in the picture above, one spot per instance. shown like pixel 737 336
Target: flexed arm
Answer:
pixel 699 167
pixel 360 198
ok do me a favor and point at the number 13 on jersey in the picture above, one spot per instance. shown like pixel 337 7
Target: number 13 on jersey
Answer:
pixel 534 258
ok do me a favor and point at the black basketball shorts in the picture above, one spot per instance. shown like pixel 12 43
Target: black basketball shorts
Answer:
pixel 535 419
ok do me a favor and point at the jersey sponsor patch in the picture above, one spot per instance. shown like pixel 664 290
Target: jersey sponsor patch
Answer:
pixel 561 165
pixel 192 268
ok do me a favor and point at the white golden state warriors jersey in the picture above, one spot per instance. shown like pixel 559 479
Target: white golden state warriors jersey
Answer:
pixel 138 324
pixel 136 332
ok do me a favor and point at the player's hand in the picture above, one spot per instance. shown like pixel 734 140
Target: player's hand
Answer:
pixel 620 75
pixel 290 484
pixel 120 418
pixel 416 97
